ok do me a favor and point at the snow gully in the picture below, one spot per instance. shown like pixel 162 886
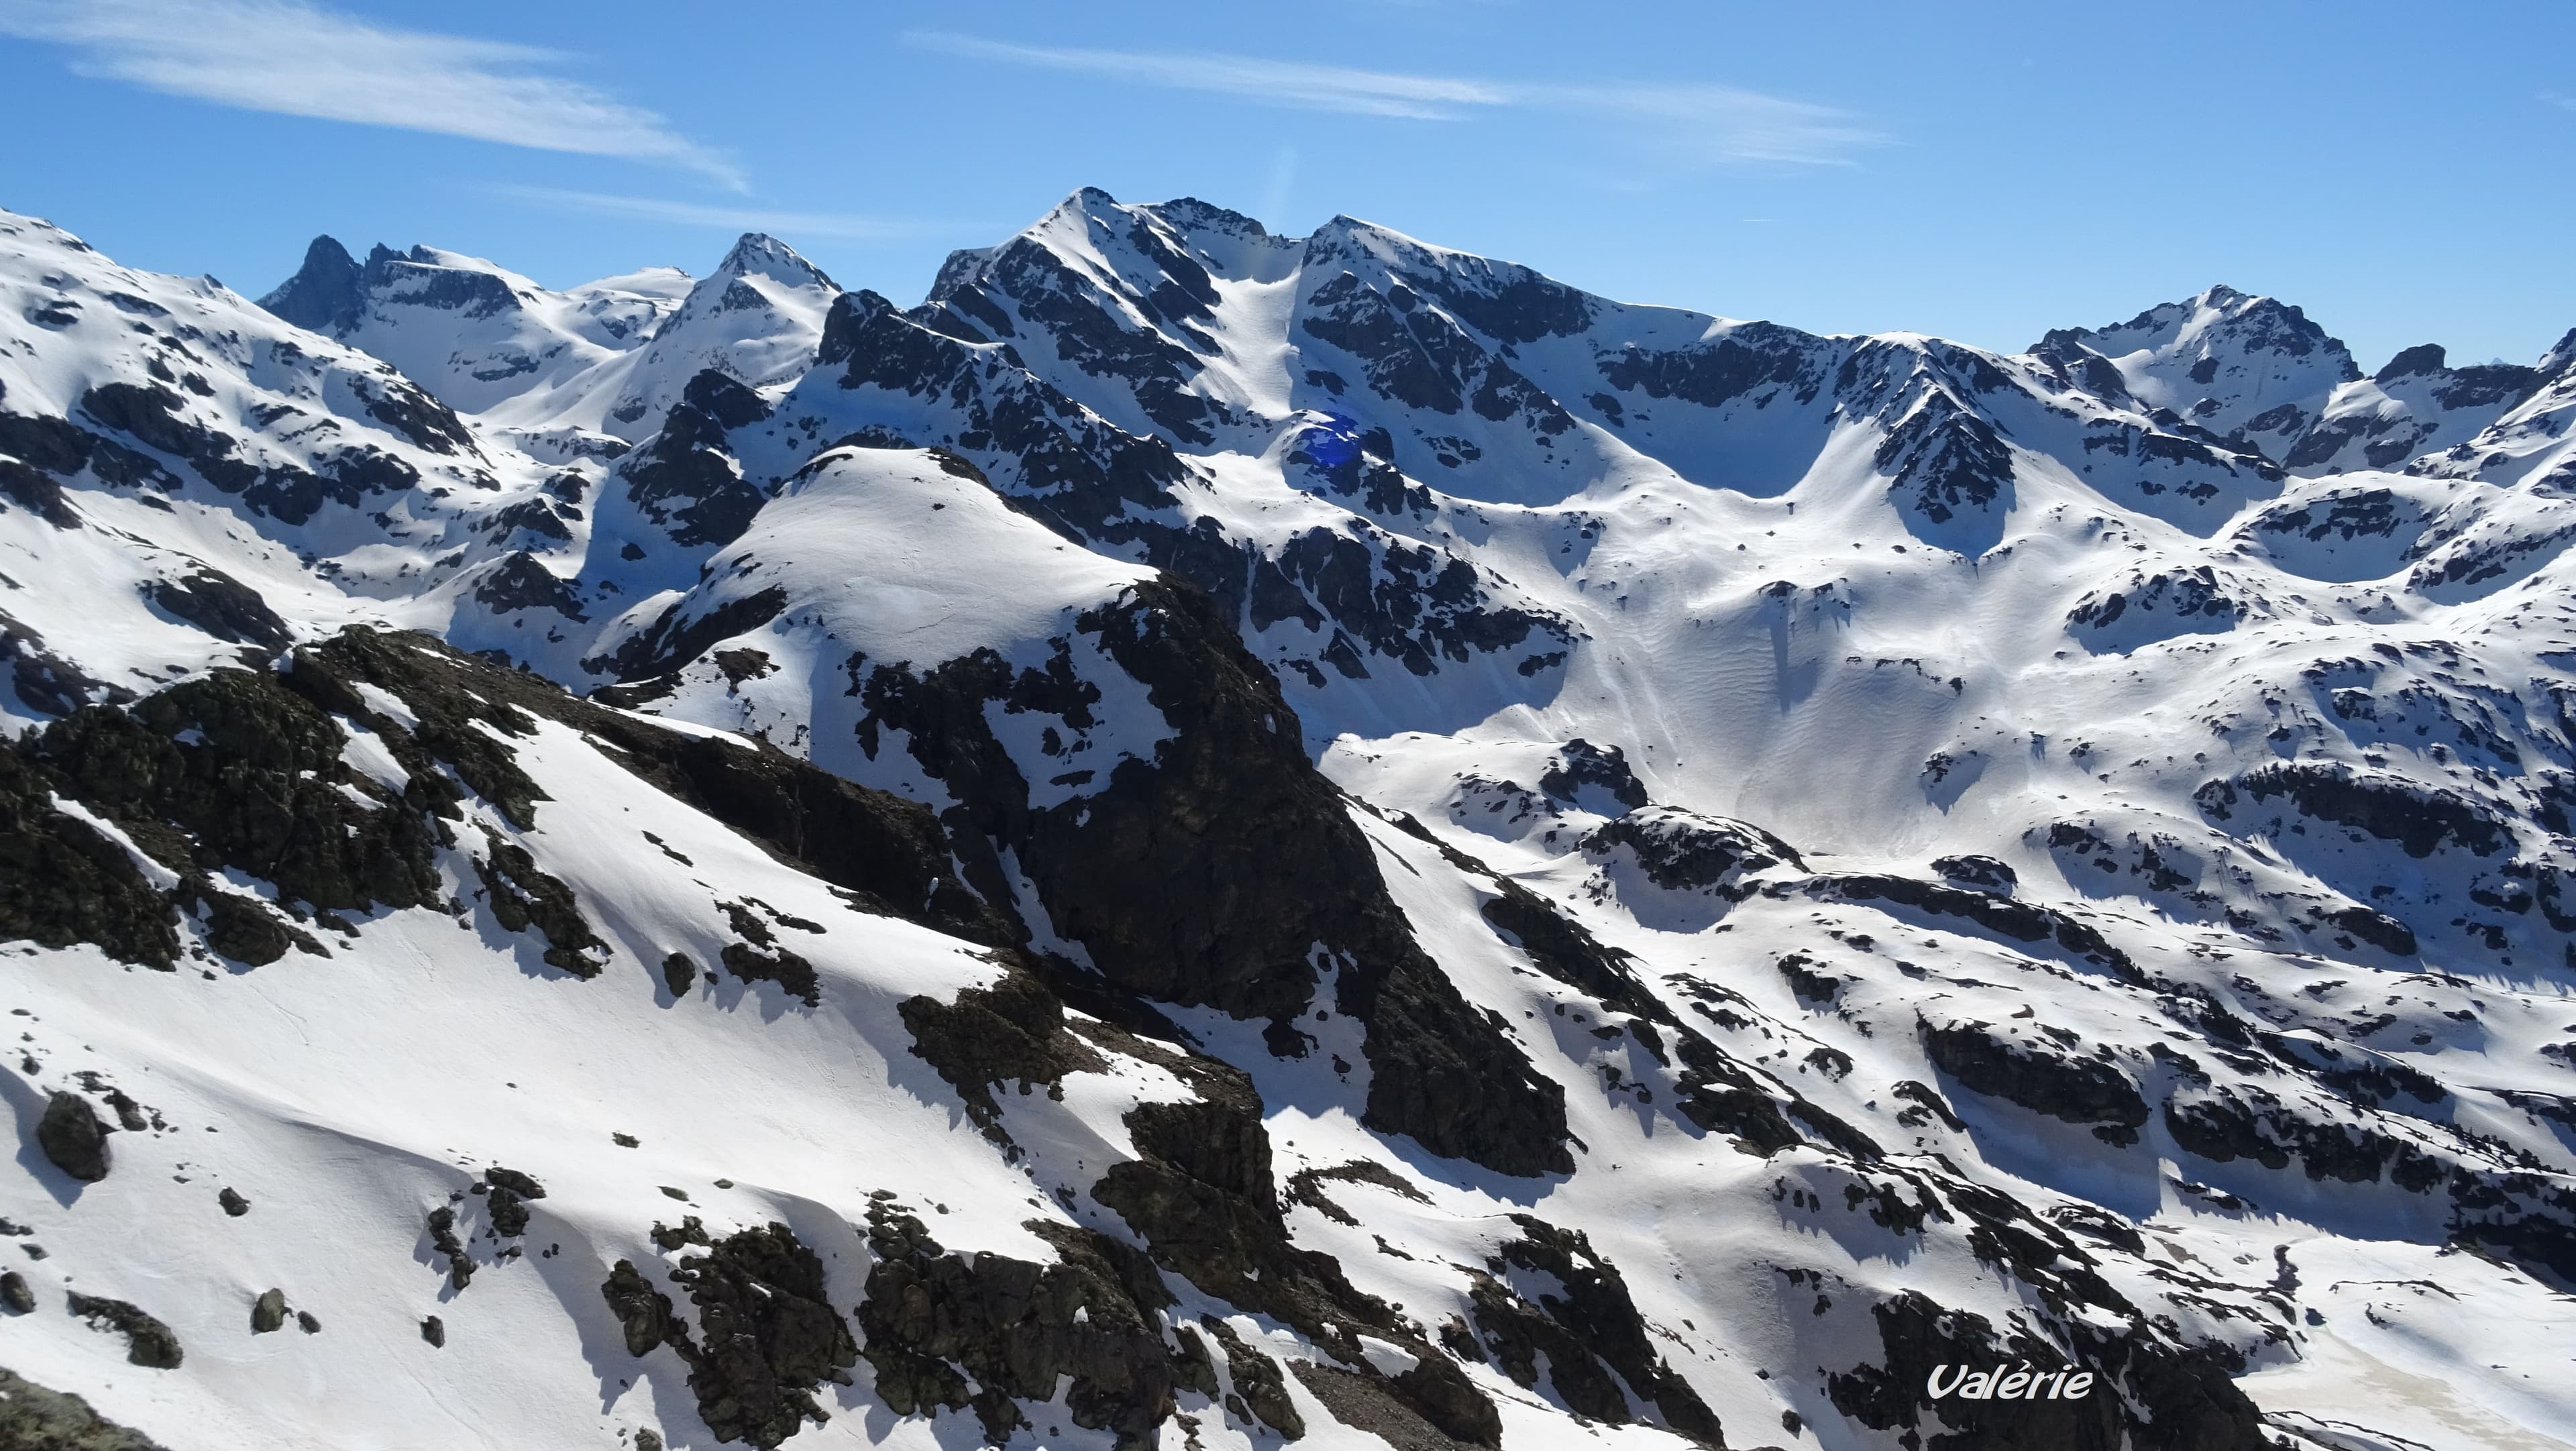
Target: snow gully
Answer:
pixel 2017 1384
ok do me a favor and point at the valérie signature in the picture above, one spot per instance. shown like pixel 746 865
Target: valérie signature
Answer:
pixel 2018 1383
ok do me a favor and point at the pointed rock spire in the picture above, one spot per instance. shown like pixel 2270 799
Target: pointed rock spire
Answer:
pixel 323 295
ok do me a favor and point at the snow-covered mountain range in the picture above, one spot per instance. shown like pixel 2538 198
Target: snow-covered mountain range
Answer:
pixel 1209 839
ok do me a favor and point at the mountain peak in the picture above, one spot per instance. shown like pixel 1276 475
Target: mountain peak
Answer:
pixel 2422 358
pixel 1174 650
pixel 761 253
pixel 2560 355
pixel 1190 215
pixel 323 295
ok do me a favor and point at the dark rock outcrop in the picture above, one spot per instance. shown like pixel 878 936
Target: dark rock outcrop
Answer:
pixel 1209 875
pixel 1201 1193
pixel 2417 818
pixel 1585 1327
pixel 222 606
pixel 506 1200
pixel 2061 1085
pixel 148 1342
pixel 766 1336
pixel 323 296
pixel 685 479
pixel 33 1418
pixel 1682 851
pixel 444 1238
pixel 1016 1327
pixel 63 881
pixel 73 1138
pixel 521 897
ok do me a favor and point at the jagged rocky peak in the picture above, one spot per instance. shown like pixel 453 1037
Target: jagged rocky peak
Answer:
pixel 324 295
pixel 2416 405
pixel 754 316
pixel 766 256
pixel 1319 835
pixel 2422 358
pixel 1505 301
pixel 2251 369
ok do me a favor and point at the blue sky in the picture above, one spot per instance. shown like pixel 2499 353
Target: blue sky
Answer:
pixel 1984 172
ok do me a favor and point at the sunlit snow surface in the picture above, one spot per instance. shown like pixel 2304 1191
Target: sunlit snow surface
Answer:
pixel 1767 627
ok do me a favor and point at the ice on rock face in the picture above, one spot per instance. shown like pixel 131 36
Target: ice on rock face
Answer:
pixel 1214 836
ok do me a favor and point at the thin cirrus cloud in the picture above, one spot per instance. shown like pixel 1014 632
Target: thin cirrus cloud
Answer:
pixel 1717 122
pixel 838 225
pixel 297 59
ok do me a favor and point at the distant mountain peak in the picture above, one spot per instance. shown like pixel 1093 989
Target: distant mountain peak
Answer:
pixel 2422 358
pixel 761 253
pixel 1177 668
pixel 323 296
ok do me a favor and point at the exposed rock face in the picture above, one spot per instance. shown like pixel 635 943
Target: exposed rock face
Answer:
pixel 323 294
pixel 73 1138
pixel 223 607
pixel 1212 875
pixel 2059 1084
pixel 765 1337
pixel 62 881
pixel 38 1419
pixel 506 1200
pixel 1585 1328
pixel 1011 1032
pixel 685 481
pixel 148 1342
pixel 1202 1195
pixel 1258 1386
pixel 444 1238
pixel 522 897
pixel 238 770
pixel 2417 819
pixel 1680 851
pixel 1153 846
pixel 1015 1328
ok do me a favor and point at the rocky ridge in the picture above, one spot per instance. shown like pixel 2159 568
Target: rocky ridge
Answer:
pixel 1209 838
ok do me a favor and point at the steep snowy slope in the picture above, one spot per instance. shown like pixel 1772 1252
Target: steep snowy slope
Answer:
pixel 1259 839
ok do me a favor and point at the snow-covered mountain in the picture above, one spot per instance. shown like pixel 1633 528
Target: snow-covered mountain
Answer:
pixel 1209 838
pixel 609 357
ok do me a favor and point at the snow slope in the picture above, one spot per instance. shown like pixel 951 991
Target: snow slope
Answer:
pixel 1209 838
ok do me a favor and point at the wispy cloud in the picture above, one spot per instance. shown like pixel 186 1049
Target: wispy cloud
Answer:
pixel 297 59
pixel 1286 83
pixel 790 225
pixel 2559 99
pixel 1720 122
